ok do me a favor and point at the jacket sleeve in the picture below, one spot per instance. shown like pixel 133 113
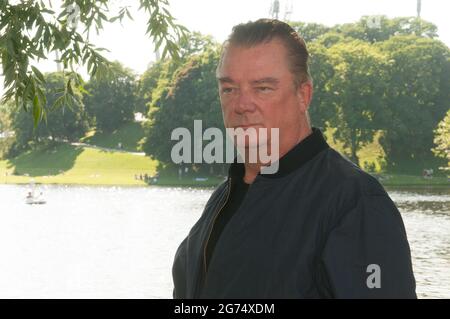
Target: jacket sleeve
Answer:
pixel 179 271
pixel 367 254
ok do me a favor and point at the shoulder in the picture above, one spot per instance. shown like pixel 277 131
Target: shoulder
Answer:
pixel 349 188
pixel 345 175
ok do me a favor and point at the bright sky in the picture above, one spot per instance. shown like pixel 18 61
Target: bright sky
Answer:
pixel 129 44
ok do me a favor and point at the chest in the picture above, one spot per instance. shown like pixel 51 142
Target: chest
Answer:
pixel 269 247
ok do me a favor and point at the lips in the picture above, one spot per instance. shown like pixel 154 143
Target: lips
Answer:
pixel 246 126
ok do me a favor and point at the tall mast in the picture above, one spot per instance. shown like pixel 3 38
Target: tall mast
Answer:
pixel 419 7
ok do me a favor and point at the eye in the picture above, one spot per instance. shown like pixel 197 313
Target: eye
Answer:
pixel 264 89
pixel 227 90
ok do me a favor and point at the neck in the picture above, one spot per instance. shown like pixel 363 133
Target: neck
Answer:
pixel 253 169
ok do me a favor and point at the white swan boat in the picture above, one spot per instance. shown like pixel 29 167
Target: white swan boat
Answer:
pixel 33 199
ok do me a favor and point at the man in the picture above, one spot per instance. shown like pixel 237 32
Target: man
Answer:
pixel 317 228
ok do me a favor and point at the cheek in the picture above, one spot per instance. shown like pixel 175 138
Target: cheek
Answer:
pixel 227 113
pixel 271 111
pixel 279 111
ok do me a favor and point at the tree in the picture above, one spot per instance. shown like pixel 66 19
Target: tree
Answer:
pixel 357 87
pixel 369 29
pixel 442 139
pixel 191 96
pixel 158 76
pixel 6 137
pixel 29 31
pixel 62 124
pixel 147 84
pixel 379 28
pixel 65 123
pixel 398 84
pixel 416 98
pixel 111 100
pixel 309 31
pixel 322 70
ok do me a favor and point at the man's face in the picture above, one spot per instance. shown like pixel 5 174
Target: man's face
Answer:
pixel 257 90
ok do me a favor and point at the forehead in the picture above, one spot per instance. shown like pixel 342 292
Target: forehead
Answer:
pixel 264 60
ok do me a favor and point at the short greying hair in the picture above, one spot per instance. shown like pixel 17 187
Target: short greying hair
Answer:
pixel 264 30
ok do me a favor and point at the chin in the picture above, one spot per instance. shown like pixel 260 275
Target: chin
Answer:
pixel 249 145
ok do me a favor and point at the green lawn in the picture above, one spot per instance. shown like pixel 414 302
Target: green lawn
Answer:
pixel 188 181
pixel 67 164
pixel 410 180
pixel 129 135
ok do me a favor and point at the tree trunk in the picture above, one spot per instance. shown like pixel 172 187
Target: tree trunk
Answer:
pixel 354 146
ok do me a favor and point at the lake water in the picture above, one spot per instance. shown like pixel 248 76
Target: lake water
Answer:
pixel 119 242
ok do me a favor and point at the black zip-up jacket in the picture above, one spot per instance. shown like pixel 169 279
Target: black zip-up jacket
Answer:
pixel 318 228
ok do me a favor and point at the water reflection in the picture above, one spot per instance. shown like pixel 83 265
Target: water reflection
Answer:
pixel 118 242
pixel 426 214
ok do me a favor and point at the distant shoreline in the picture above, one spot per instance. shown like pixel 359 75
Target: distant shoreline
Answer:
pixel 406 181
pixel 94 161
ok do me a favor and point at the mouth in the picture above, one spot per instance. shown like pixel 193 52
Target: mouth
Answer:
pixel 246 126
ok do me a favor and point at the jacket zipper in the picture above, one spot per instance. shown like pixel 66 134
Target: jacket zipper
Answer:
pixel 212 227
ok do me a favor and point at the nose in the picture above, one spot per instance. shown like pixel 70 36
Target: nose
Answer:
pixel 244 102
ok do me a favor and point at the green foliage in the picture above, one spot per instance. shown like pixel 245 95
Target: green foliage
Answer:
pixel 322 70
pixel 309 31
pixel 393 78
pixel 6 133
pixel 380 28
pixel 32 30
pixel 416 98
pixel 111 100
pixel 357 87
pixel 159 75
pixel 147 84
pixel 66 122
pixel 442 139
pixel 192 95
pixel 369 29
pixel 387 85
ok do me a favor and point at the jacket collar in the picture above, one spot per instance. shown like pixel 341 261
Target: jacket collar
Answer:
pixel 298 156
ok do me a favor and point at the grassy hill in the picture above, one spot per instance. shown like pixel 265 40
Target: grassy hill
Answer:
pixel 128 135
pixel 68 164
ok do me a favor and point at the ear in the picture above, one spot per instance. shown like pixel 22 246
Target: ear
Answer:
pixel 304 94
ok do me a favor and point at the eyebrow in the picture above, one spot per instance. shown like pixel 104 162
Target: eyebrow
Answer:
pixel 225 79
pixel 269 80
